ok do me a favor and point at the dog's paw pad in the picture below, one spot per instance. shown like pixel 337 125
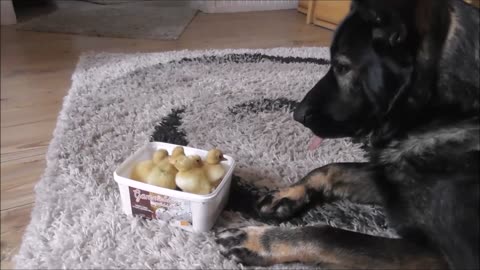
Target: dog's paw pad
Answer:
pixel 242 245
pixel 280 204
pixel 230 238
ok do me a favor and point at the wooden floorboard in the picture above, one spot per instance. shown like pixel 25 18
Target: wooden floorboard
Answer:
pixel 35 76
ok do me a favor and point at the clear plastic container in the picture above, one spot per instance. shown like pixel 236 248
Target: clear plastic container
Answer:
pixel 189 211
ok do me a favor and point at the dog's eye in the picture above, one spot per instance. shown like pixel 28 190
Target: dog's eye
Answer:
pixel 378 19
pixel 341 68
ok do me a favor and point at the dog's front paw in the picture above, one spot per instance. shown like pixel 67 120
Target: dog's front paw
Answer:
pixel 244 245
pixel 284 203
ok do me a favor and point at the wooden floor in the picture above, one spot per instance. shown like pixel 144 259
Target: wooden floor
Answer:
pixel 35 76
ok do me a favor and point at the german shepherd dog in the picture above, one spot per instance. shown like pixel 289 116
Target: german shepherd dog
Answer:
pixel 405 75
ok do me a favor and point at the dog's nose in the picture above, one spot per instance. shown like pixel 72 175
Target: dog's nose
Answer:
pixel 302 114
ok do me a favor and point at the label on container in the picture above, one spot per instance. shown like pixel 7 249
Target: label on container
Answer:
pixel 150 205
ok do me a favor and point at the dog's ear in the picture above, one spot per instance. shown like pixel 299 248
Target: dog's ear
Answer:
pixel 396 20
pixel 429 14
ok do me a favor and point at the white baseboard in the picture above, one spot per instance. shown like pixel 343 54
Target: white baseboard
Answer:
pixel 227 6
pixel 7 13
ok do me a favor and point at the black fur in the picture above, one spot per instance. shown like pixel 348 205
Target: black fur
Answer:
pixel 404 74
pixel 400 77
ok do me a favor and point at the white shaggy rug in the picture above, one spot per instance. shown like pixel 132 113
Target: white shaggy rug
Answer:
pixel 238 100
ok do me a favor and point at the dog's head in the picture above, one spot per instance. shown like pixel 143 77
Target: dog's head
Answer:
pixel 373 62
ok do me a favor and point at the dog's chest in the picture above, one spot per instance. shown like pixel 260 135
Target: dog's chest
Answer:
pixel 408 203
pixel 407 184
pixel 414 172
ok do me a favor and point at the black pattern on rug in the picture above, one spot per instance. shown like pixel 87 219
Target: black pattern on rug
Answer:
pixel 263 105
pixel 253 58
pixel 169 131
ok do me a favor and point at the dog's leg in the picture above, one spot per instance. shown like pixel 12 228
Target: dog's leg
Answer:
pixel 328 246
pixel 353 181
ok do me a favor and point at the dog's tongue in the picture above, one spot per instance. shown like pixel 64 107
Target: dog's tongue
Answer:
pixel 314 143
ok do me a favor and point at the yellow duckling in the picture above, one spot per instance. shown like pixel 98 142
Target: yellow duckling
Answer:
pixel 189 178
pixel 160 156
pixel 161 159
pixel 177 152
pixel 141 170
pixel 213 169
pixel 160 178
pixel 197 160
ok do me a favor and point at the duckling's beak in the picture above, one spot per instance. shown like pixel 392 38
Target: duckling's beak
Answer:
pixel 222 158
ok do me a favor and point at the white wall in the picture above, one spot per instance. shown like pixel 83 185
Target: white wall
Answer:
pixel 7 12
pixel 225 6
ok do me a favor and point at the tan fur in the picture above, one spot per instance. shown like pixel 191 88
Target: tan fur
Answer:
pixel 322 181
pixel 305 253
pixel 293 193
pixel 282 252
pixel 285 250
pixel 252 242
pixel 427 262
pixel 318 181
